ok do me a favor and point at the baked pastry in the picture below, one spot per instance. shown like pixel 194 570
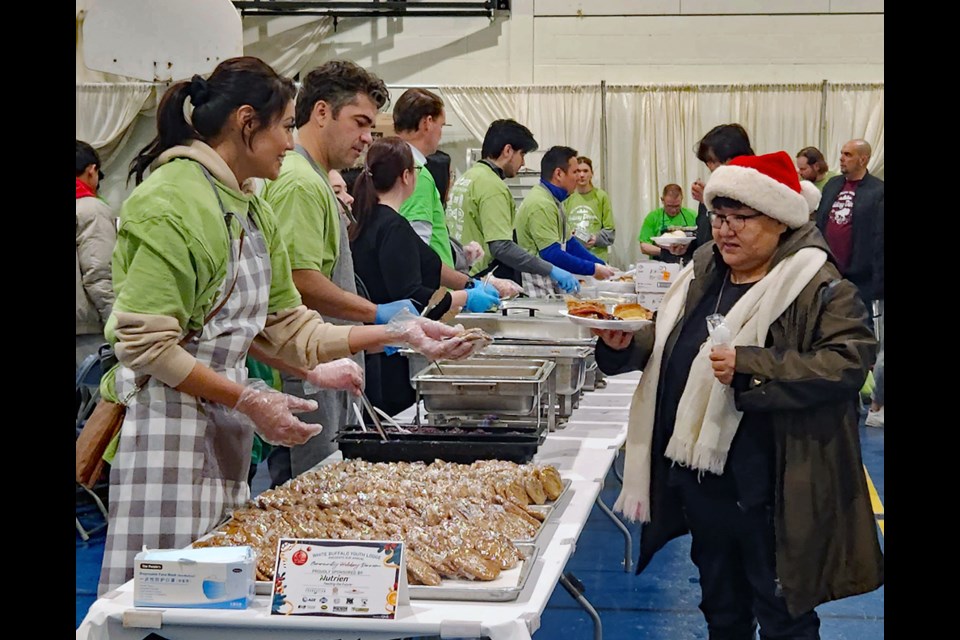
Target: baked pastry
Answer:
pixel 588 309
pixel 632 311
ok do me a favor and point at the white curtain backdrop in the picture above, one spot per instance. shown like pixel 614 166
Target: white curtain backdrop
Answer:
pixel 104 111
pixel 557 115
pixel 652 131
pixel 854 111
pixel 650 138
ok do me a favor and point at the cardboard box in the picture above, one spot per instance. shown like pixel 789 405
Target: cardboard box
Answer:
pixel 653 276
pixel 205 578
pixel 650 300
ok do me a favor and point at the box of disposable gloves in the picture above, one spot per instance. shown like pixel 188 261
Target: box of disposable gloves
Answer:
pixel 204 578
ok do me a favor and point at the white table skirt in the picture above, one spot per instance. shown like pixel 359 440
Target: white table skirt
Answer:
pixel 582 451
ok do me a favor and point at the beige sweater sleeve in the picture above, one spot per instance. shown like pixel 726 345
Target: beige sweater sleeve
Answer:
pixel 150 344
pixel 300 337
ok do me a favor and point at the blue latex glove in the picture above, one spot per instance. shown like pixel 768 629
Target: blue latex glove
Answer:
pixel 480 299
pixel 489 288
pixel 390 309
pixel 565 280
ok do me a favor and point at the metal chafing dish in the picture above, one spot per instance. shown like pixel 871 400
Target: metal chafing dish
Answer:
pixel 486 386
pixel 570 371
pixel 536 322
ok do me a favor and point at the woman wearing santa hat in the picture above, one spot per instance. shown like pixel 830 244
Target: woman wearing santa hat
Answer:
pixel 746 435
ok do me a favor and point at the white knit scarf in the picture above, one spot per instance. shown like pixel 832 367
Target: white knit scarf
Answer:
pixel 707 417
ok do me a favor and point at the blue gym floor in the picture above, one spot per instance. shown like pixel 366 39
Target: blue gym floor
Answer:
pixel 661 603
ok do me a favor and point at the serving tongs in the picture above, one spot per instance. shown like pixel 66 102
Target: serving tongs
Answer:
pixel 373 416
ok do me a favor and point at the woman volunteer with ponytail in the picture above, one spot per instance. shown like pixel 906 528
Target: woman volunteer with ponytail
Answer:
pixel 394 263
pixel 200 272
pixel 750 442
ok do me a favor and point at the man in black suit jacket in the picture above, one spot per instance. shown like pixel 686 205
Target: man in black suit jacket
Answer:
pixel 850 217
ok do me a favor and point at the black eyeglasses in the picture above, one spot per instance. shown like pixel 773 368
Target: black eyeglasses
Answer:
pixel 735 222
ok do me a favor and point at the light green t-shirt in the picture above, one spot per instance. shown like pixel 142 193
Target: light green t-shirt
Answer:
pixel 656 222
pixel 539 224
pixel 481 210
pixel 172 247
pixel 306 207
pixel 829 174
pixel 424 204
pixel 591 212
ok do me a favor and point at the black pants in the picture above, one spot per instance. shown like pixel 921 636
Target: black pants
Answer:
pixel 735 553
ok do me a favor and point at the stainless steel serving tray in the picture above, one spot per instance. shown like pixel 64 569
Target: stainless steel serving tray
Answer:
pixel 473 590
pixel 571 361
pixel 478 591
pixel 489 385
pixel 539 329
pixel 547 511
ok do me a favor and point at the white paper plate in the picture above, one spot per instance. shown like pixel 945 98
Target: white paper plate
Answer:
pixel 669 241
pixel 596 323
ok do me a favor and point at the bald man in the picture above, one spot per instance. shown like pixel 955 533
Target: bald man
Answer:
pixel 850 217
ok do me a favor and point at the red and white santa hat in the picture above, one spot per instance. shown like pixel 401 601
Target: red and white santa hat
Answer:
pixel 811 193
pixel 768 183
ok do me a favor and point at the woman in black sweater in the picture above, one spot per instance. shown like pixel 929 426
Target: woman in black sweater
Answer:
pixel 394 263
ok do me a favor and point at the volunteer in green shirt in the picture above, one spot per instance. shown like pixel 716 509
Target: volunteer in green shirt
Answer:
pixel 335 111
pixel 812 166
pixel 588 210
pixel 542 224
pixel 659 221
pixel 199 256
pixel 418 118
pixel 481 208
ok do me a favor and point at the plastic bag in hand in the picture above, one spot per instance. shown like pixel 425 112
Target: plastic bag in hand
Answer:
pixel 481 297
pixel 272 415
pixel 343 374
pixel 718 330
pixel 505 287
pixel 433 339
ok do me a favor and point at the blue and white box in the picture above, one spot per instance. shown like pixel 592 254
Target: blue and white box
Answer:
pixel 204 578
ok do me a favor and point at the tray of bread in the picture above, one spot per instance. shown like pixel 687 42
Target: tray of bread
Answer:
pixel 598 314
pixel 461 522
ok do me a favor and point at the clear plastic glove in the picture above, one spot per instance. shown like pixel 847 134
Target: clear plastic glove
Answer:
pixel 343 374
pixel 481 297
pixel 472 251
pixel 603 272
pixel 505 287
pixel 433 339
pixel 272 415
pixel 390 309
pixel 565 280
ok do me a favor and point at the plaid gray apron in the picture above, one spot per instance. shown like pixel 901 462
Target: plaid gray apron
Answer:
pixel 182 462
pixel 334 406
pixel 540 286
